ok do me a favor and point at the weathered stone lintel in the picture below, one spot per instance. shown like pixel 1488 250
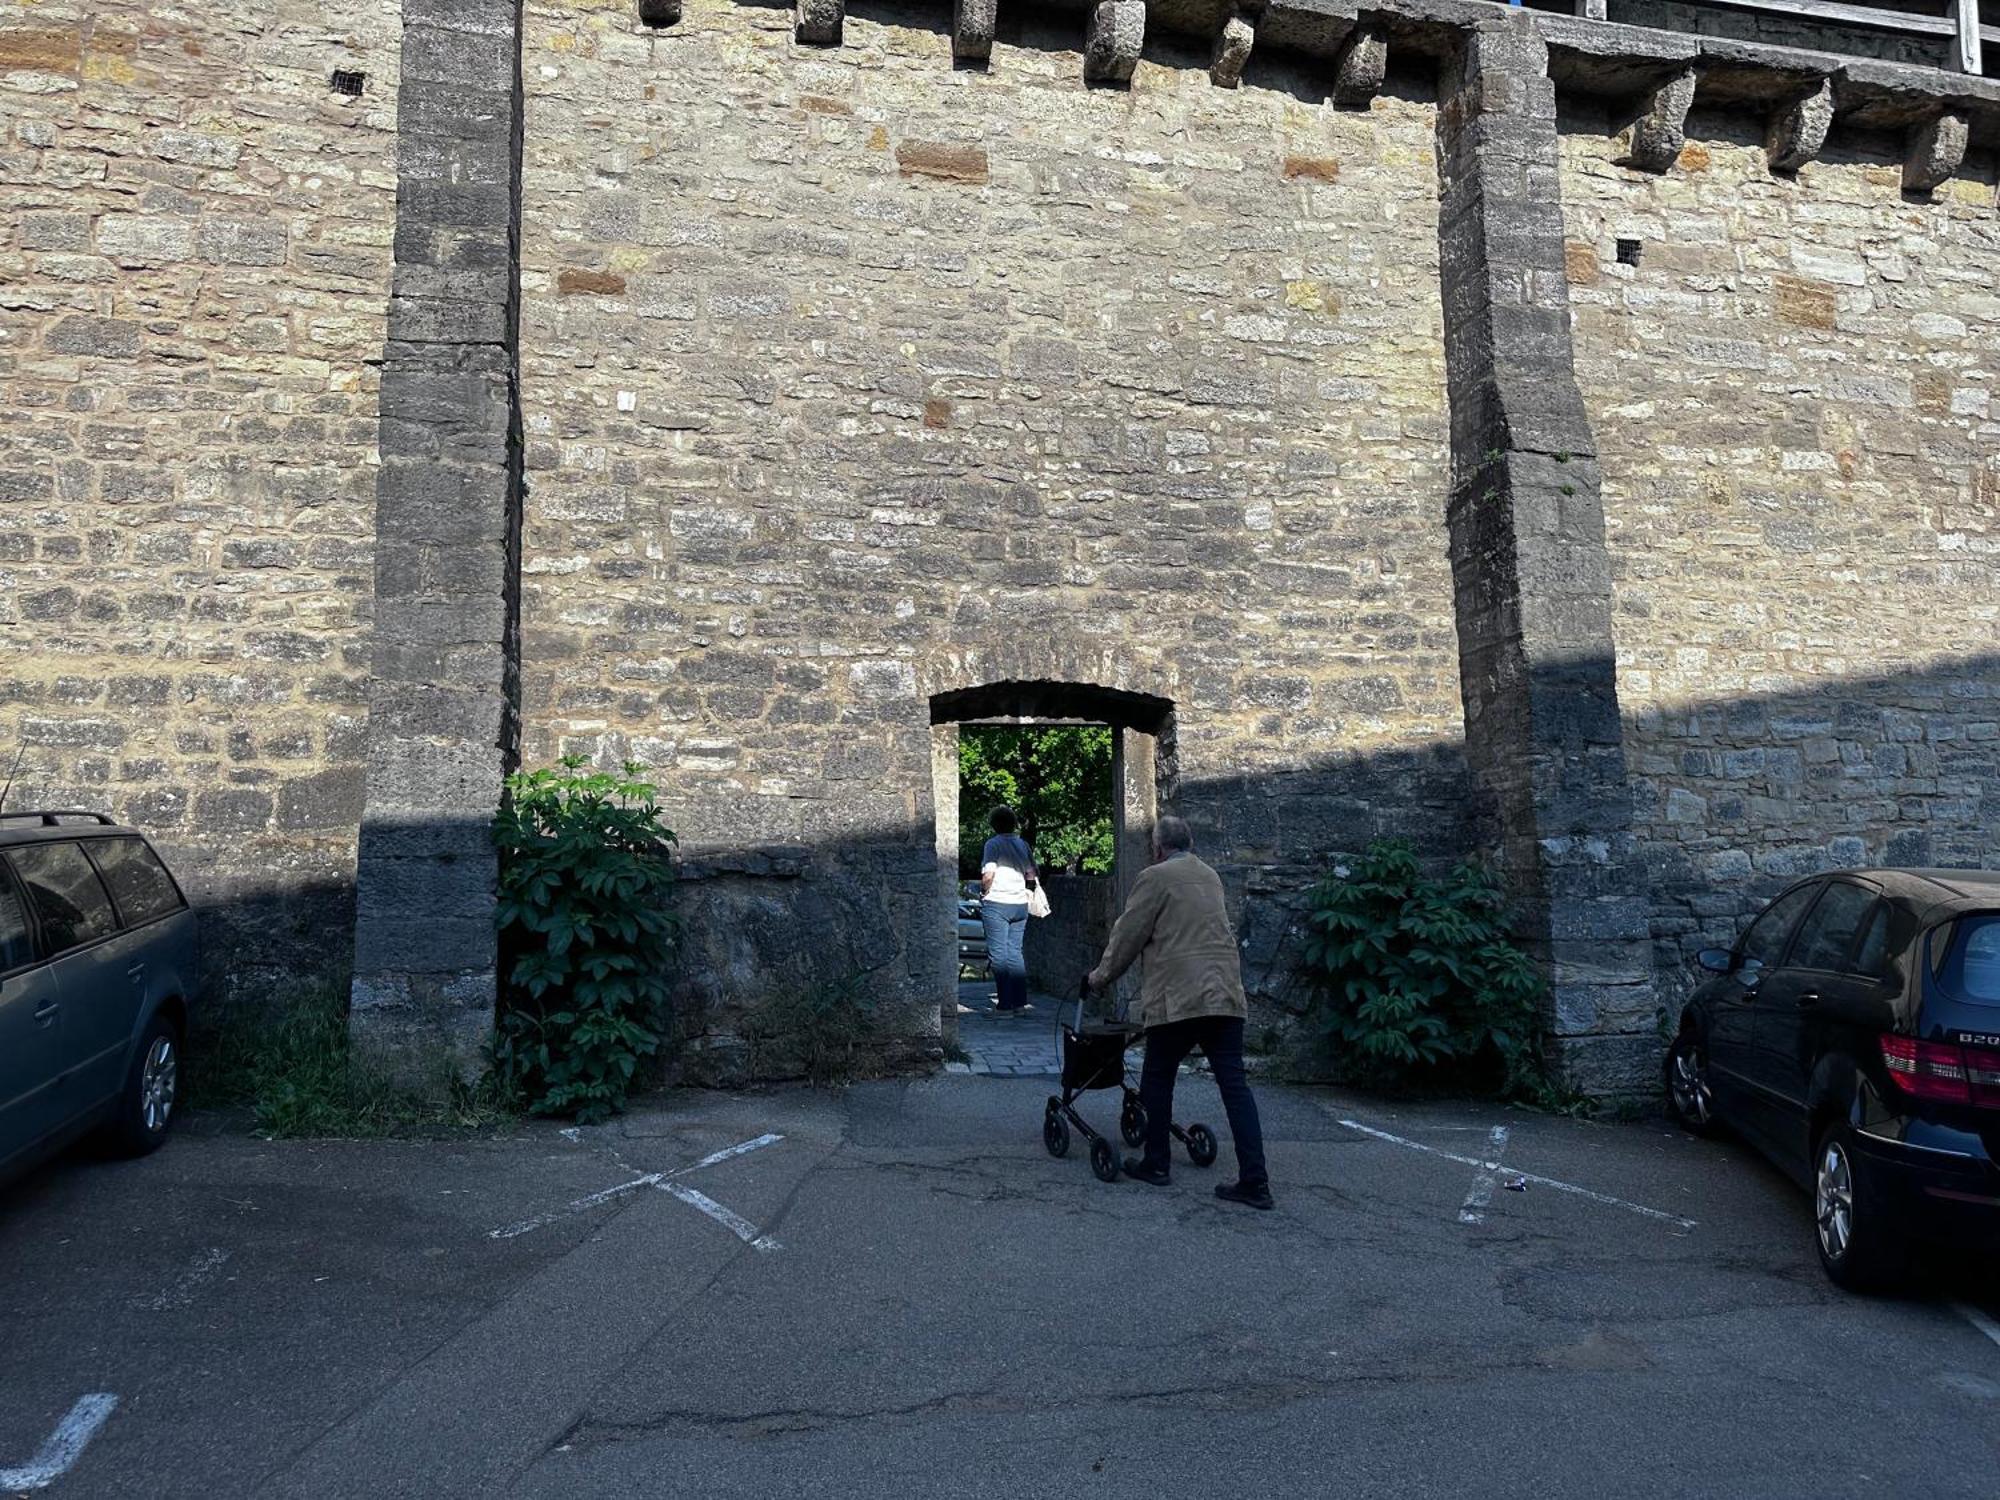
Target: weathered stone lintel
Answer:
pixel 1609 60
pixel 819 22
pixel 1933 150
pixel 1797 131
pixel 1238 34
pixel 1113 41
pixel 1361 67
pixel 972 24
pixel 1653 141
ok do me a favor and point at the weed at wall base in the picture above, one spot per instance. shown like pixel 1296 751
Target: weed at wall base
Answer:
pixel 293 1068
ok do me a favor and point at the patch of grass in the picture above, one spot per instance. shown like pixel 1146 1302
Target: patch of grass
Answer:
pixel 956 1054
pixel 293 1069
pixel 827 1035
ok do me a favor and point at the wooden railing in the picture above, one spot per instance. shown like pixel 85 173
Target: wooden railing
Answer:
pixel 1957 21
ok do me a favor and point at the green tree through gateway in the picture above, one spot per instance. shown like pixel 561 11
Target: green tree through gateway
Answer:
pixel 1057 779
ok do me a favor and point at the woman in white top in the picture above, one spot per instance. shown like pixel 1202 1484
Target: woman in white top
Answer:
pixel 1006 875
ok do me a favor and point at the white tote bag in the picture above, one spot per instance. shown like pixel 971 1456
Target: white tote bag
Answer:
pixel 1038 900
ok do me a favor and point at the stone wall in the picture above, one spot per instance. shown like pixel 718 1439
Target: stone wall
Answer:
pixel 850 378
pixel 750 402
pixel 1066 944
pixel 194 266
pixel 1793 396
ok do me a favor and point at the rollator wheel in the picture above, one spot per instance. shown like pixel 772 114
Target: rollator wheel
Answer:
pixel 1201 1147
pixel 1103 1161
pixel 1055 1133
pixel 1132 1124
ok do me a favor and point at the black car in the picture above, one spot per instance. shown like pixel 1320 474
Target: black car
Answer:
pixel 1853 1035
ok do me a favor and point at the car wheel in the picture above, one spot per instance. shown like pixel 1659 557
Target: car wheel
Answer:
pixel 1690 1096
pixel 1860 1249
pixel 152 1089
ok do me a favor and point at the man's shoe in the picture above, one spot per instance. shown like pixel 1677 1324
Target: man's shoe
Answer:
pixel 1250 1197
pixel 1135 1166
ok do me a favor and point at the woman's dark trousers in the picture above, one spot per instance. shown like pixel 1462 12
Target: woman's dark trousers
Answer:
pixel 1221 1041
pixel 1006 926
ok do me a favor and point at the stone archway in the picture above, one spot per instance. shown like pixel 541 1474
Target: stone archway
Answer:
pixel 1144 780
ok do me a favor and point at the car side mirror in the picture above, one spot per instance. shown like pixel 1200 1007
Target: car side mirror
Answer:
pixel 1715 960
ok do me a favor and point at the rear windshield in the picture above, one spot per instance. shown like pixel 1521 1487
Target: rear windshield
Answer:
pixel 1965 959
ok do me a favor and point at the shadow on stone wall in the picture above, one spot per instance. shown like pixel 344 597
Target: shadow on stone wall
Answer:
pixel 266 945
pixel 1064 946
pixel 1732 799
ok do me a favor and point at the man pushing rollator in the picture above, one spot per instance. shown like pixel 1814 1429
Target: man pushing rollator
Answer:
pixel 1190 995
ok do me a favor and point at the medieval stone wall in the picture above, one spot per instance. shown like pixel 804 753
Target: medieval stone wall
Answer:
pixel 1793 393
pixel 194 266
pixel 740 396
pixel 849 378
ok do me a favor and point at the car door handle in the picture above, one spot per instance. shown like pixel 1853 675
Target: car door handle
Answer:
pixel 1808 1001
pixel 136 972
pixel 47 1014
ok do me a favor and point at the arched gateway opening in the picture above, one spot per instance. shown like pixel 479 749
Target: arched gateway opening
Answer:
pixel 1060 948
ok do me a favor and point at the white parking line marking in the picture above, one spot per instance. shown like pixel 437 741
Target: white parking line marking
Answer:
pixel 1480 1194
pixel 64 1447
pixel 663 1181
pixel 510 1231
pixel 1978 1320
pixel 181 1293
pixel 735 1223
pixel 1548 1182
pixel 739 1149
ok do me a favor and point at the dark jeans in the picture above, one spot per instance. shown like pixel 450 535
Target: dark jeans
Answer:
pixel 1006 925
pixel 1221 1041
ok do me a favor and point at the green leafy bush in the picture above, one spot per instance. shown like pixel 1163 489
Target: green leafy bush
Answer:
pixel 1416 982
pixel 587 936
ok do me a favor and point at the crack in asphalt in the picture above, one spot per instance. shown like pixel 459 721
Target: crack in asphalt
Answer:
pixel 1271 1393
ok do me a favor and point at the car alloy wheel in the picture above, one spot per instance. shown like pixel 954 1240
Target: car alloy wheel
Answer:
pixel 1687 1077
pixel 157 1084
pixel 1833 1200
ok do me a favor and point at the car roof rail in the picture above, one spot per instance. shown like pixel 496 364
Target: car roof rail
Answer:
pixel 49 818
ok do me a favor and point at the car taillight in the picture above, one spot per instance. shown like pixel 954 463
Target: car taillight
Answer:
pixel 1943 1071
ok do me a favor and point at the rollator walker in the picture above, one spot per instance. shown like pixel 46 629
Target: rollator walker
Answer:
pixel 1093 1057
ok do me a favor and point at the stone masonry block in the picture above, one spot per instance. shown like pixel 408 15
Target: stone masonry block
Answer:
pixel 1113 40
pixel 1934 150
pixel 108 338
pixel 972 29
pixel 1653 141
pixel 819 22
pixel 1363 64
pixel 1797 132
pixel 242 242
pixel 1233 42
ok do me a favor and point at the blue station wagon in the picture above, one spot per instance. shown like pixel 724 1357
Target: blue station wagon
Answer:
pixel 97 969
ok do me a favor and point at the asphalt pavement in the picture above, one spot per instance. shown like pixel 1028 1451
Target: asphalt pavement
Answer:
pixel 897 1291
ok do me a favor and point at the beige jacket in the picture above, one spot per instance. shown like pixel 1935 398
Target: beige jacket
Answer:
pixel 1177 922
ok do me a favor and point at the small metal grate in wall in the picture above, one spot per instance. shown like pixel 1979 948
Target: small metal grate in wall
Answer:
pixel 1628 252
pixel 349 84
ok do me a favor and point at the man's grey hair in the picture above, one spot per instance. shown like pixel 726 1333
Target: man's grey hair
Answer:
pixel 1171 835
